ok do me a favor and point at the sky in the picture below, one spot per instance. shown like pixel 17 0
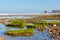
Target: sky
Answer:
pixel 28 6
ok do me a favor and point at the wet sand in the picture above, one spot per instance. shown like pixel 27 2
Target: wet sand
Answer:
pixel 1 38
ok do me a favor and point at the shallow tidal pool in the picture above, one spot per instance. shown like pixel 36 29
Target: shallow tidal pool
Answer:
pixel 37 35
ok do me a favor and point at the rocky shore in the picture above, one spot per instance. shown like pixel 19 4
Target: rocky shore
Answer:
pixel 55 33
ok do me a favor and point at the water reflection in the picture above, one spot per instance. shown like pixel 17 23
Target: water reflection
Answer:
pixel 2 28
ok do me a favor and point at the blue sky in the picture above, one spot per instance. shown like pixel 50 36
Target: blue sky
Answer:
pixel 19 6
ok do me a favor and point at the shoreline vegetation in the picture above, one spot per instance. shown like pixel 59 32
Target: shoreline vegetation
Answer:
pixel 16 23
pixel 52 27
pixel 27 32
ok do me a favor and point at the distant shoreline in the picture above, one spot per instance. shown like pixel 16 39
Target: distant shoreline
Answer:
pixel 28 13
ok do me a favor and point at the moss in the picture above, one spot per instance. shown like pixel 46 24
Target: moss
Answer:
pixel 27 32
pixel 31 25
pixel 17 23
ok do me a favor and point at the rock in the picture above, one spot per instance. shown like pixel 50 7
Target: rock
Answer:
pixel 54 25
pixel 0 28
